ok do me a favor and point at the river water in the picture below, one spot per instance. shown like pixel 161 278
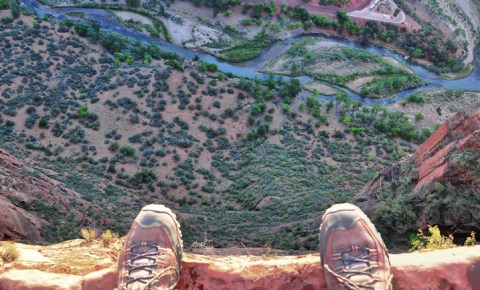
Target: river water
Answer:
pixel 249 68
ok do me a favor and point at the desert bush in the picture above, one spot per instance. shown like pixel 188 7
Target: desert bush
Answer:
pixel 88 234
pixel 43 123
pixel 113 146
pixel 432 241
pixel 470 241
pixel 258 108
pixel 75 135
pixel 127 150
pixel 419 117
pixel 206 66
pixel 8 252
pixel 107 237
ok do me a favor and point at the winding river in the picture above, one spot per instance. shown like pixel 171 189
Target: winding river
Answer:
pixel 249 68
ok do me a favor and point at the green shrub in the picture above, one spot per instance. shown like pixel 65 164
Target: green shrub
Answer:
pixel 127 150
pixel 206 66
pixel 114 146
pixel 435 240
pixel 259 108
pixel 82 111
pixel 43 123
pixel 419 117
pixel 251 135
pixel 414 98
pixel 3 4
pixel 133 3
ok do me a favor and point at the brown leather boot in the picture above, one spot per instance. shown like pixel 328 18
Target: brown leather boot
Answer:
pixel 352 252
pixel 152 255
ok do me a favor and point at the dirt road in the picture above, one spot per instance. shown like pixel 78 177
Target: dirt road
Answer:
pixel 366 13
pixel 314 7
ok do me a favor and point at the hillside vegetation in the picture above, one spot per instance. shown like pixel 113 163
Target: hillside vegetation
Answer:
pixel 125 124
pixel 369 74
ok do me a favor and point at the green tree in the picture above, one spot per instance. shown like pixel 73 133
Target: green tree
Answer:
pixel 342 17
pixel 147 58
pixel 417 52
pixel 129 59
pixel 251 135
pixel 43 123
pixel 82 111
pixel 259 108
pixel 263 130
pixel 206 66
pixel 82 29
pixel 3 4
pixel 133 3
pixel 419 117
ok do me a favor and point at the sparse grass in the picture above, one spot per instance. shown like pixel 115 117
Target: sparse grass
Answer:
pixel 470 241
pixel 107 237
pixel 343 65
pixel 202 247
pixel 463 73
pixel 247 49
pixel 88 234
pixel 8 252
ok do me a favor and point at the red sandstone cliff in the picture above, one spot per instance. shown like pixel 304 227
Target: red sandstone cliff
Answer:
pixel 77 265
pixel 438 184
pixel 27 197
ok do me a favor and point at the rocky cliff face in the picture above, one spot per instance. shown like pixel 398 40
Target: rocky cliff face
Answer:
pixel 28 198
pixel 78 265
pixel 437 185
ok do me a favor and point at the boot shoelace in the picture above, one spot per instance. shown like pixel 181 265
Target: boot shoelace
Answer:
pixel 356 262
pixel 147 258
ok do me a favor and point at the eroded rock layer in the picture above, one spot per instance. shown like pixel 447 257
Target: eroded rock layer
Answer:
pixel 29 199
pixel 92 266
pixel 437 185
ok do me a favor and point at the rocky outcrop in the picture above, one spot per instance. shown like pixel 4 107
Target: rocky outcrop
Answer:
pixel 91 267
pixel 438 184
pixel 29 198
pixel 15 222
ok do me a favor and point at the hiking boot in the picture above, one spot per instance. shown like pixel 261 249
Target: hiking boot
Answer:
pixel 352 252
pixel 152 255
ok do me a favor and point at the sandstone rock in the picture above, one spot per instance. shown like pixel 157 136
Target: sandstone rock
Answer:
pixel 23 191
pixel 100 280
pixel 457 268
pixel 38 280
pixel 438 184
pixel 17 223
pixel 242 272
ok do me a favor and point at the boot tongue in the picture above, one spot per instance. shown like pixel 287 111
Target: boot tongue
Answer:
pixel 142 272
pixel 353 261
